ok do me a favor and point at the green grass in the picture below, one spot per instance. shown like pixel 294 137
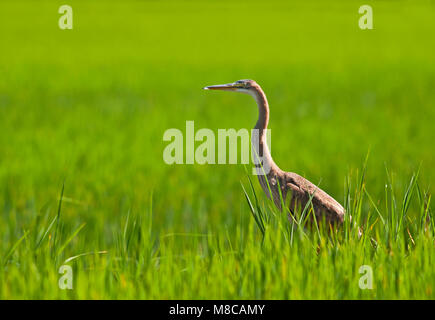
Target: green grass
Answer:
pixel 83 182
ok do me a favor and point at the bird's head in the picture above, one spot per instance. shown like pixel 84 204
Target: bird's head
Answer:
pixel 244 86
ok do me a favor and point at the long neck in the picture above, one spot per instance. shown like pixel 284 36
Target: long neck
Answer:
pixel 259 140
pixel 263 109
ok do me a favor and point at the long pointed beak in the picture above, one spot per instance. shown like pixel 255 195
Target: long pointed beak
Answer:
pixel 228 86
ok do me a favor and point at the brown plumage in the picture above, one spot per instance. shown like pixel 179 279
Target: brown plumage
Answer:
pixel 300 189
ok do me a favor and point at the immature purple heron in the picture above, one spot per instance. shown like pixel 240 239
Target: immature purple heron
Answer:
pixel 302 190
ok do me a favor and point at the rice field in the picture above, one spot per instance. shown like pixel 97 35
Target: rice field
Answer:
pixel 83 183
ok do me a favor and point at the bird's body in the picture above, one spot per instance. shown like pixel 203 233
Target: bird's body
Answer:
pixel 292 185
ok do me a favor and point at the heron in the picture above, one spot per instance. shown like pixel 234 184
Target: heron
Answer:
pixel 276 183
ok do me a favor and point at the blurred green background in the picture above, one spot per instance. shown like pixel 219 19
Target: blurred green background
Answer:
pixel 90 105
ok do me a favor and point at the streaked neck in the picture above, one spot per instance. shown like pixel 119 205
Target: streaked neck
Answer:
pixel 259 138
pixel 263 108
